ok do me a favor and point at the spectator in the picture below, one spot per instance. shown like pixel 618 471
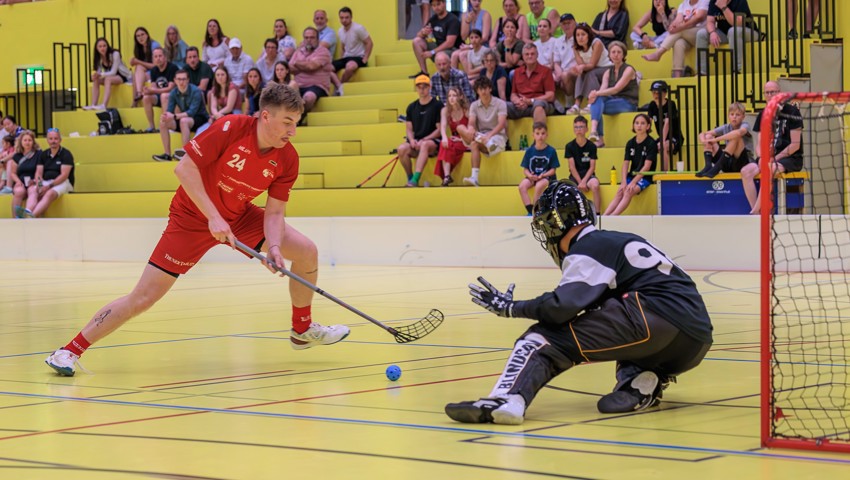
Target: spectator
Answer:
pixel 162 82
pixel 737 152
pixel 547 51
pixel 22 172
pixel 268 59
pixel 447 77
pixel 440 34
pixel 356 45
pixel 660 16
pixel 200 73
pixel 539 11
pixel 497 76
pixel 327 36
pixel 238 63
pixel 565 52
pixel 174 47
pixel 472 58
pixel 581 156
pixel 618 93
pixel 511 9
pixel 641 155
pixel 719 29
pixel 10 125
pixel 613 23
pixel 510 47
pixel 592 62
pixel 142 61
pixel 538 165
pixel 473 19
pixel 6 155
pixel 214 50
pixel 454 115
pixel 424 10
pixel 286 45
pixel 3 131
pixel 54 173
pixel 487 128
pixel 253 88
pixel 311 65
pixel 283 76
pixel 422 130
pixel 668 124
pixel 812 13
pixel 690 20
pixel 186 112
pixel 533 89
pixel 107 69
pixel 224 97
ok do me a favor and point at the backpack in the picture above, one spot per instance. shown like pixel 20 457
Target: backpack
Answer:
pixel 109 122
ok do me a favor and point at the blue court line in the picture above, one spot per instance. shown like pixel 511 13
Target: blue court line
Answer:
pixel 465 431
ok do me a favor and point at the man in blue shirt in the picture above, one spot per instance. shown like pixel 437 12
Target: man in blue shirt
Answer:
pixel 185 108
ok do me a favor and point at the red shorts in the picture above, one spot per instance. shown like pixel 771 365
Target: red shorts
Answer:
pixel 187 238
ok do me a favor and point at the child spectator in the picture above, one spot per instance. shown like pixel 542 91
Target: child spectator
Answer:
pixel 581 155
pixel 453 115
pixel 486 132
pixel 214 49
pixel 54 173
pixel 472 58
pixel 538 166
pixel 737 152
pixel 6 155
pixel 668 124
pixel 23 167
pixel 422 130
pixel 641 155
pixel 613 23
pixel 617 94
pixel 174 47
pixel 107 69
pixel 253 88
pixel 142 61
pixel 660 16
pixel 473 19
pixel 283 75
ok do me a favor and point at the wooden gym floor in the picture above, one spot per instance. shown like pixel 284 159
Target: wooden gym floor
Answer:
pixel 205 386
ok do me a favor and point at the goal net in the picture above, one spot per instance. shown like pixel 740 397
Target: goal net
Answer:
pixel 805 275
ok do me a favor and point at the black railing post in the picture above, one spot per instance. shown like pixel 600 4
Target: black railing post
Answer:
pixel 33 101
pixel 107 27
pixel 686 99
pixel 71 67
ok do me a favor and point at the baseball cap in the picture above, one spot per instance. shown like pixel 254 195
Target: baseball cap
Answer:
pixel 659 86
pixel 567 16
pixel 422 79
pixel 234 43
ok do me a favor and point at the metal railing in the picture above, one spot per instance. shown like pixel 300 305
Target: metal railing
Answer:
pixel 34 100
pixel 788 50
pixel 71 79
pixel 685 97
pixel 9 105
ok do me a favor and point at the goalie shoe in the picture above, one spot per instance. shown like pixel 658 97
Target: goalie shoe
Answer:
pixel 509 410
pixel 642 392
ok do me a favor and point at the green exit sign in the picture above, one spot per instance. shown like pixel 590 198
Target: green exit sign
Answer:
pixel 34 75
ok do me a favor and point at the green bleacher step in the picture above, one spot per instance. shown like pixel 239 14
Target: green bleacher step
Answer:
pixel 352 117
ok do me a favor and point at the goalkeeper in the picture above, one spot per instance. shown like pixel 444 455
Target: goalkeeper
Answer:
pixel 619 298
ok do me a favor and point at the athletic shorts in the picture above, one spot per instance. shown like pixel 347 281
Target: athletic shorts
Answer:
pixel 792 164
pixel 675 143
pixel 436 142
pixel 642 183
pixel 318 91
pixel 187 238
pixel 340 63
pixel 60 189
pixel 495 146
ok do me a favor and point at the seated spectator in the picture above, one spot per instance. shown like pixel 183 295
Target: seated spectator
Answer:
pixel 511 9
pixel 286 45
pixel 253 88
pixel 618 93
pixel 787 148
pixel 3 131
pixel 186 112
pixel 736 153
pixel 174 47
pixel 473 19
pixel 162 83
pixel 812 14
pixel 533 88
pixel 660 16
pixel 311 65
pixel 422 130
pixel 107 69
pixel 54 174
pixel 497 76
pixel 6 154
pixel 283 76
pixel 356 46
pixel 452 116
pixel 22 172
pixel 510 48
pixel 719 29
pixel 265 65
pixel 487 128
pixel 11 127
pixel 641 155
pixel 565 52
pixel 142 61
pixel 327 36
pixel 441 34
pixel 592 62
pixel 613 23
pixel 214 50
pixel 690 19
pixel 581 155
pixel 224 97
pixel 547 51
pixel 472 58
pixel 538 165
pixel 668 124
pixel 200 73
pixel 447 77
pixel 238 63
pixel 539 11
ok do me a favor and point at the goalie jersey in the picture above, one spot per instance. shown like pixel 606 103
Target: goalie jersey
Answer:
pixel 604 264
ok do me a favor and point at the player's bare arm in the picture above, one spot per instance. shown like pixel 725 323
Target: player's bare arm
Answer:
pixel 190 179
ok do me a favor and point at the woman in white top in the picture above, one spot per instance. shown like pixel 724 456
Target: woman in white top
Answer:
pixel 107 69
pixel 215 49
pixel 690 19
pixel 591 63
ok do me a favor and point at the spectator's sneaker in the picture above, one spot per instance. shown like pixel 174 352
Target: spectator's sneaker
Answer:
pixel 19 212
pixel 162 157
pixel 317 335
pixel 411 184
pixel 471 181
pixel 150 130
pixel 89 107
pixel 28 213
pixel 64 362
pixel 179 154
pixel 338 92
pixel 509 410
pixel 6 190
pixel 792 34
pixel 642 392
pixel 447 181
pixel 593 137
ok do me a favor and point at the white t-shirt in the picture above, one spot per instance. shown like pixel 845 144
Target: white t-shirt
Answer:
pixel 353 40
pixel 476 59
pixel 687 10
pixel 604 61
pixel 565 52
pixel 547 52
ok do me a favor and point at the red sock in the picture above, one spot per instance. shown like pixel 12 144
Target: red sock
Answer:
pixel 78 345
pixel 301 318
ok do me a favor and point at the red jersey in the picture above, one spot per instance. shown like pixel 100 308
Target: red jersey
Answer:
pixel 233 169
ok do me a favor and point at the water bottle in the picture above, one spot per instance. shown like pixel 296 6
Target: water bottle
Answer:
pixel 523 142
pixel 613 176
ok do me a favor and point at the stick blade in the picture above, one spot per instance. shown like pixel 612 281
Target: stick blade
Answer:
pixel 415 331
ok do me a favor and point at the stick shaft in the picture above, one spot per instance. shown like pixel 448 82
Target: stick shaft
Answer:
pixel 395 162
pixel 370 177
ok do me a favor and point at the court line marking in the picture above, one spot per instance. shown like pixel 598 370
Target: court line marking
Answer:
pixel 217 378
pixel 466 431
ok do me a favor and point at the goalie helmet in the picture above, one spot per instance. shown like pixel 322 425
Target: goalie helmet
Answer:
pixel 561 207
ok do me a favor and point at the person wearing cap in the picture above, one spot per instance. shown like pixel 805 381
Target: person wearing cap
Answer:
pixel 440 34
pixel 311 64
pixel 690 19
pixel 238 63
pixel 539 11
pixel 567 56
pixel 422 130
pixel 668 124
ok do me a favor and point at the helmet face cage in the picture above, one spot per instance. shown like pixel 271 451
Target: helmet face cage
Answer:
pixel 561 207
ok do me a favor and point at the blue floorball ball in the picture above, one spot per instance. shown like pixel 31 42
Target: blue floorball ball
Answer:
pixel 393 372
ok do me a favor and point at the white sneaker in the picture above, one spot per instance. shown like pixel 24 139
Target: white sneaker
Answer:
pixel 317 335
pixel 338 92
pixel 64 362
pixel 471 180
pixel 507 410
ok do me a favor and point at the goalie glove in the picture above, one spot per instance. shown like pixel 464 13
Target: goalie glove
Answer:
pixel 491 299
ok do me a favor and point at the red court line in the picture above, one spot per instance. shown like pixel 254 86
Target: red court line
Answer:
pixel 216 378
